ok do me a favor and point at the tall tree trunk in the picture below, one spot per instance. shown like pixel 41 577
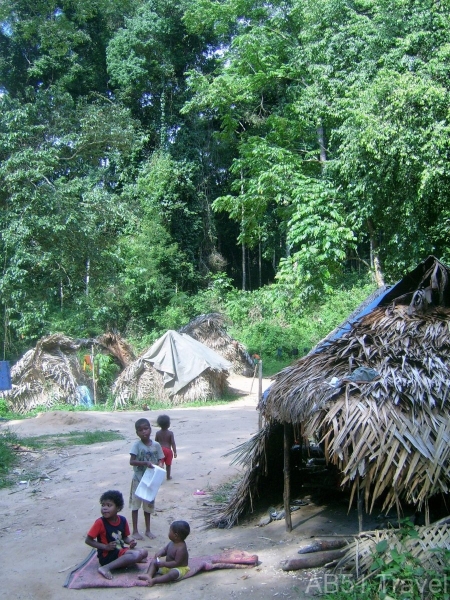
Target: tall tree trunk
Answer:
pixel 321 141
pixel 249 278
pixel 88 270
pixel 244 282
pixel 375 255
pixel 259 264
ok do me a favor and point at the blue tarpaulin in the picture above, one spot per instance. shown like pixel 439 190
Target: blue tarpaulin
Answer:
pixel 5 375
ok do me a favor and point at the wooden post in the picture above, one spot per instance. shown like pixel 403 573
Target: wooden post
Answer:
pixel 260 391
pixel 287 478
pixel 360 506
pixel 93 375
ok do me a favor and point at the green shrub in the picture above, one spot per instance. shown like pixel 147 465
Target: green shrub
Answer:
pixel 3 407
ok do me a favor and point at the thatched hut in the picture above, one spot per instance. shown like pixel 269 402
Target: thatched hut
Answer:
pixel 374 396
pixel 176 369
pixel 52 372
pixel 48 374
pixel 210 330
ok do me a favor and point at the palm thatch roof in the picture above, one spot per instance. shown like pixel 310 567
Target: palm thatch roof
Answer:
pixel 210 330
pixel 51 373
pixel 389 438
pixel 175 369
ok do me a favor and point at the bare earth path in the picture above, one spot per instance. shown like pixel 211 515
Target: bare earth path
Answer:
pixel 44 524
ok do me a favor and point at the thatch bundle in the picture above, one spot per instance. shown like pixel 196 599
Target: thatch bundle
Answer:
pixel 141 381
pixel 210 330
pixel 419 546
pixel 46 375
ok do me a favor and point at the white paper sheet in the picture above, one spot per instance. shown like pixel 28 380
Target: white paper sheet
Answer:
pixel 150 483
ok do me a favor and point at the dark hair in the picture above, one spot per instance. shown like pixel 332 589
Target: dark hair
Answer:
pixel 181 528
pixel 141 422
pixel 163 421
pixel 115 496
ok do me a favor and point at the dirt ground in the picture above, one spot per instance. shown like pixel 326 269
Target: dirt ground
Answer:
pixel 45 520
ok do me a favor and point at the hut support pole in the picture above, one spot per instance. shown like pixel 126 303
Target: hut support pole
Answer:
pixel 287 477
pixel 260 391
pixel 360 506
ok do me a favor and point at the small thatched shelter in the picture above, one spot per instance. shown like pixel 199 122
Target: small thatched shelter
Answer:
pixel 210 330
pixel 175 369
pixel 387 434
pixel 52 372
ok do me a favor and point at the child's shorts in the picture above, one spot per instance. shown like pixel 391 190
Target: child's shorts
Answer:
pixel 135 502
pixel 168 455
pixel 112 555
pixel 181 571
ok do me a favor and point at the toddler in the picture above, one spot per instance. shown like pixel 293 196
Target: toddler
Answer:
pixel 167 440
pixel 175 565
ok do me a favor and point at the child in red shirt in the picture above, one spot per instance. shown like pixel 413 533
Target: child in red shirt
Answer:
pixel 110 533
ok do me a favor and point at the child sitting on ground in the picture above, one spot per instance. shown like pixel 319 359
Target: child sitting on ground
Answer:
pixel 175 566
pixel 144 453
pixel 110 533
pixel 167 440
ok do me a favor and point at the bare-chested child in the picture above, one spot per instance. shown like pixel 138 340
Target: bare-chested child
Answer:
pixel 175 565
pixel 167 440
pixel 110 533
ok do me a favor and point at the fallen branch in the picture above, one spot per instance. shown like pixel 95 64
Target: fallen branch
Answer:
pixel 318 545
pixel 309 561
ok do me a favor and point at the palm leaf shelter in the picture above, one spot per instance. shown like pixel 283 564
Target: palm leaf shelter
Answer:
pixel 374 394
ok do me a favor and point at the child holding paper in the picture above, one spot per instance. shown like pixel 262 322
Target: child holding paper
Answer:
pixel 145 453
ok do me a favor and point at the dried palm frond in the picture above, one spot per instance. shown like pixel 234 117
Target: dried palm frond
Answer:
pixel 210 330
pixel 252 455
pixel 113 344
pixel 420 548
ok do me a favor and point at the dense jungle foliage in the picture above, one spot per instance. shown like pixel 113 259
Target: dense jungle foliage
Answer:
pixel 162 158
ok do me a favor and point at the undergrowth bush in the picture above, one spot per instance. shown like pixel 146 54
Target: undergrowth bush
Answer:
pixel 267 319
pixel 8 457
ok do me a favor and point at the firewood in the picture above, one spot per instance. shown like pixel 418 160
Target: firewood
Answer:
pixel 309 561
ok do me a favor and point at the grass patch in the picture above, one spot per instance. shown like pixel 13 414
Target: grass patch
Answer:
pixel 223 492
pixel 8 457
pixel 10 443
pixel 73 438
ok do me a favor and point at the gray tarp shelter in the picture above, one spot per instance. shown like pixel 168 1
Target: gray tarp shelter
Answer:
pixel 181 359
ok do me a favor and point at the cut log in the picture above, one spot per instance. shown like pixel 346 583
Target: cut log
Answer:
pixel 309 561
pixel 318 545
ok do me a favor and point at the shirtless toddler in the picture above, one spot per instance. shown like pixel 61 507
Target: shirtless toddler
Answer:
pixel 167 440
pixel 175 565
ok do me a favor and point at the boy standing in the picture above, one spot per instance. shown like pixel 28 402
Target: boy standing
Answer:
pixel 167 440
pixel 144 453
pixel 110 533
pixel 175 565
